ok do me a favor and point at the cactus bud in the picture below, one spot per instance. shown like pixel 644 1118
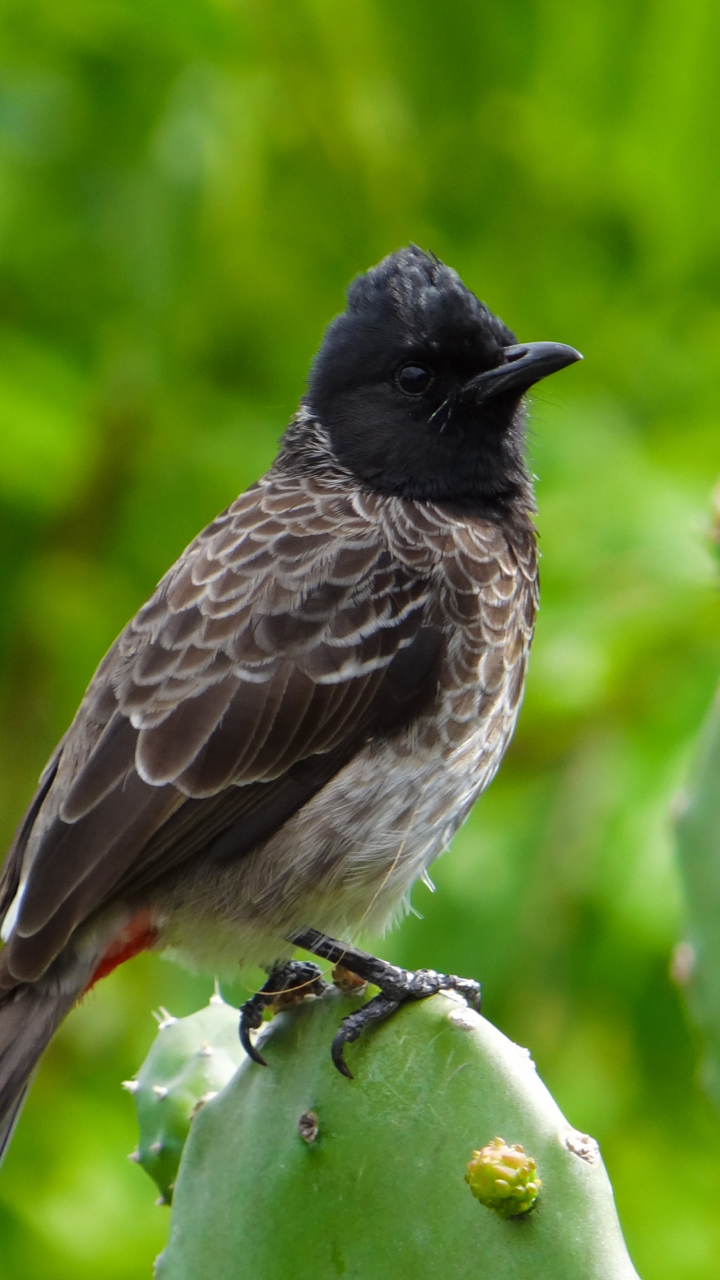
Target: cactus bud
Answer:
pixel 503 1178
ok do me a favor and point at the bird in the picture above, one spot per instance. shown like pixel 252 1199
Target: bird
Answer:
pixel 298 720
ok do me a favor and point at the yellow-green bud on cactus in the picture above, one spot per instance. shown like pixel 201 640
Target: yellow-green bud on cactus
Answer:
pixel 503 1178
pixel 190 1062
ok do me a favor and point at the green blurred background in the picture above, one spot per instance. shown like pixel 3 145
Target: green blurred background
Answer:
pixel 185 190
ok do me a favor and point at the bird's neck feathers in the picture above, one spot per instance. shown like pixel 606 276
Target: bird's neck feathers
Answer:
pixel 305 449
pixel 492 483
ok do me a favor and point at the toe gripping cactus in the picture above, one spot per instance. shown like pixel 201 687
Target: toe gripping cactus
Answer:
pixel 292 1170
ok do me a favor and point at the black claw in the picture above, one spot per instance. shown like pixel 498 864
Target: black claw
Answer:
pixel 336 1052
pixel 253 1053
pixel 288 983
pixel 250 1019
pixel 351 1027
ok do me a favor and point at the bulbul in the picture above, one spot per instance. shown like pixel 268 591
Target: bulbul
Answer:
pixel 296 723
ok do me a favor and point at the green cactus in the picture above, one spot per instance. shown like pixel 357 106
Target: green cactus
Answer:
pixel 191 1060
pixel 696 963
pixel 294 1171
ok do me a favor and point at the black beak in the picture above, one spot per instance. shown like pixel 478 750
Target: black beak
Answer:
pixel 524 365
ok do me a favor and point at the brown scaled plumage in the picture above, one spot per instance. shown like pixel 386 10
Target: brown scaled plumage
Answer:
pixel 301 716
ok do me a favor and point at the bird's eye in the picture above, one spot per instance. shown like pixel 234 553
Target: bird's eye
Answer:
pixel 413 379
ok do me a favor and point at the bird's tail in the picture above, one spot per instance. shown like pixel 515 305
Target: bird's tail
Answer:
pixel 29 1015
pixel 10 1119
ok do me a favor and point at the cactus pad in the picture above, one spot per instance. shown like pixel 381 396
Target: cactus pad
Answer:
pixel 191 1060
pixel 293 1170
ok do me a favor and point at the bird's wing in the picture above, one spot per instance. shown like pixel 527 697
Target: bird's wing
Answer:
pixel 284 636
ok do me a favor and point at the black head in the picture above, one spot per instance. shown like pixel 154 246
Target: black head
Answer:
pixel 419 386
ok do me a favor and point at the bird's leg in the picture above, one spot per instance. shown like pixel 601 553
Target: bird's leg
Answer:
pixel 290 981
pixel 396 986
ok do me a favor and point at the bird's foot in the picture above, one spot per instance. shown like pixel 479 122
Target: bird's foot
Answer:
pixel 289 982
pixel 397 986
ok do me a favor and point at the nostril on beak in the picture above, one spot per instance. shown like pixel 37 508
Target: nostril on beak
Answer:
pixel 514 353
